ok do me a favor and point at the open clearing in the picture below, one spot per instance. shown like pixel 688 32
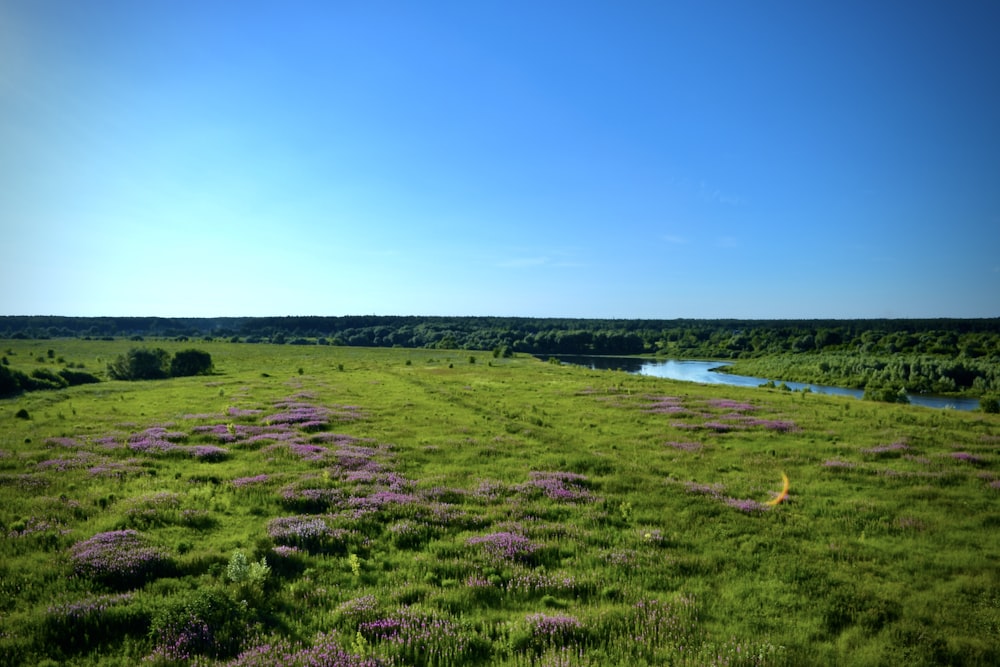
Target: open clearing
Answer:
pixel 353 506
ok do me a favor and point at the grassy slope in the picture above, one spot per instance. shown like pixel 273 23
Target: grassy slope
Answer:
pixel 879 557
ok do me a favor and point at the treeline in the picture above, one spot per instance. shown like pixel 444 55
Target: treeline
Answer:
pixel 683 338
pixel 912 373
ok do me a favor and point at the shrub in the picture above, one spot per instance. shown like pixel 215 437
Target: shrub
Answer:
pixel 11 382
pixel 990 404
pixel 208 623
pixel 74 378
pixel 887 393
pixel 191 362
pixel 140 364
pixel 43 378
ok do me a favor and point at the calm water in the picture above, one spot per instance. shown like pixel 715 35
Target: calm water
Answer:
pixel 702 371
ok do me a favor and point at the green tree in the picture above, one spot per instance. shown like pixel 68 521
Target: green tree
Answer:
pixel 190 362
pixel 140 363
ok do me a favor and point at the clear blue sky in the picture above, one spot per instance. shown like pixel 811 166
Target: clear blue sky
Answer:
pixel 588 159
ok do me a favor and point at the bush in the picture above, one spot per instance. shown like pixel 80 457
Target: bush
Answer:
pixel 11 382
pixel 74 378
pixel 990 404
pixel 43 378
pixel 190 362
pixel 140 364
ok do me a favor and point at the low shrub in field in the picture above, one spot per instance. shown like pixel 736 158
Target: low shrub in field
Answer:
pixel 118 558
pixel 76 626
pixel 141 363
pixel 207 623
pixel 190 362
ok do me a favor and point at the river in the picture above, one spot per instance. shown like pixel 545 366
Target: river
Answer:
pixel 703 372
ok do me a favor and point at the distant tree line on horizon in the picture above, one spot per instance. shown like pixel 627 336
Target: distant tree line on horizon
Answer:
pixel 954 356
pixel 682 338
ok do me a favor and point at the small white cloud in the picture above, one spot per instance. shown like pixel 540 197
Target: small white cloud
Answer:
pixel 728 242
pixel 672 238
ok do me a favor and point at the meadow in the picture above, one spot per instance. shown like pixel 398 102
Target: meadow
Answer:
pixel 323 505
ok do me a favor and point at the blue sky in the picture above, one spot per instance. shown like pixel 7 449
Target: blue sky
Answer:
pixel 582 159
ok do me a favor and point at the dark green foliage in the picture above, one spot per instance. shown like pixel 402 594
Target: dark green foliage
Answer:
pixel 208 622
pixel 190 362
pixel 887 393
pixel 140 363
pixel 43 378
pixel 22 414
pixel 74 378
pixel 11 382
pixel 990 404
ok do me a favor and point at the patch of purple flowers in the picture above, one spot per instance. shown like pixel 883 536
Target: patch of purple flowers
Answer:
pixel 307 532
pixel 568 486
pixel 119 556
pixel 505 546
pixel 727 404
pixel 417 637
pixel 747 505
pixel 968 458
pixel 558 629
pixel 209 453
pixel 243 482
pixel 325 652
pixel 713 490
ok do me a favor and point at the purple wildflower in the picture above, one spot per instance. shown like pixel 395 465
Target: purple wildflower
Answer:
pixel 713 490
pixel 243 482
pixel 554 629
pixel 727 404
pixel 120 557
pixel 209 453
pixel 325 652
pixel 567 486
pixel 747 505
pixel 968 458
pixel 505 546
pixel 886 449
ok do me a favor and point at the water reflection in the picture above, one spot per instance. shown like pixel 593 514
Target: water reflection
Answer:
pixel 703 372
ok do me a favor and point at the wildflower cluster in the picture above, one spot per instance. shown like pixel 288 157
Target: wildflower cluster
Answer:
pixel 968 458
pixel 307 532
pixel 121 557
pixel 505 546
pixel 886 450
pixel 324 652
pixel 665 405
pixel 416 637
pixel 715 491
pixel 181 641
pixel 556 630
pixel 243 482
pixel 568 486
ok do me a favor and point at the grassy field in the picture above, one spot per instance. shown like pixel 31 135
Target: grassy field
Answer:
pixel 345 506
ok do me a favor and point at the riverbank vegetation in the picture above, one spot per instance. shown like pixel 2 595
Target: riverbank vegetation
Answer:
pixel 329 505
pixel 939 356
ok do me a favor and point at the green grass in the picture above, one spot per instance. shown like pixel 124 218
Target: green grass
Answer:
pixel 506 511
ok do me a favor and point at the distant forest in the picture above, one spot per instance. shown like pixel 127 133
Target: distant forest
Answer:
pixel 680 338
